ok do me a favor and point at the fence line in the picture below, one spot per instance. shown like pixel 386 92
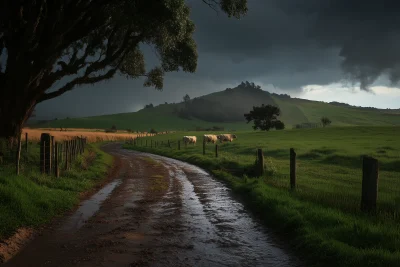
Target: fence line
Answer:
pixel 370 170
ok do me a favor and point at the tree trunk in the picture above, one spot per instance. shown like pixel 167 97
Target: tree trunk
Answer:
pixel 14 112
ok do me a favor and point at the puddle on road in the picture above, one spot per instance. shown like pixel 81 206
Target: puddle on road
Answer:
pixel 89 207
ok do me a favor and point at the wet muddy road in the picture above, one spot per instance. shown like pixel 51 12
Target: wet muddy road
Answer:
pixel 157 212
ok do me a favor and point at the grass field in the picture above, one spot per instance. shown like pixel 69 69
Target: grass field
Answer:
pixel 160 118
pixel 32 199
pixel 322 216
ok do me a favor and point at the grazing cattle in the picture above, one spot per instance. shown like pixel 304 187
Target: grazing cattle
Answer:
pixel 190 139
pixel 226 137
pixel 210 138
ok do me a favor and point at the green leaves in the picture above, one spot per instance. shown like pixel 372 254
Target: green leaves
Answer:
pixel 234 8
pixel 155 78
pixel 265 118
pixel 133 64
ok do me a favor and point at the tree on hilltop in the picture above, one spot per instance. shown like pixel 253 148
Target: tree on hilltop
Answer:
pixel 265 118
pixel 186 98
pixel 88 41
pixel 325 121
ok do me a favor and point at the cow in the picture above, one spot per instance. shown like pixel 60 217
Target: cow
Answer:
pixel 210 138
pixel 190 139
pixel 226 137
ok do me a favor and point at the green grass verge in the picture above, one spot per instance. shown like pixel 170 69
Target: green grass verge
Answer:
pixel 322 218
pixel 32 199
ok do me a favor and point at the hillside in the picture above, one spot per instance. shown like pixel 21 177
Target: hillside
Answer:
pixel 226 109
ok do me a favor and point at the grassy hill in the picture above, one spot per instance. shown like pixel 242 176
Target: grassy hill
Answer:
pixel 226 109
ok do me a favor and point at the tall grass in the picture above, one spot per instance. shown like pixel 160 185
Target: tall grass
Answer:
pixel 92 136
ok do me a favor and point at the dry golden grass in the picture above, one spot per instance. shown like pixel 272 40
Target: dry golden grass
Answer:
pixel 77 130
pixel 34 135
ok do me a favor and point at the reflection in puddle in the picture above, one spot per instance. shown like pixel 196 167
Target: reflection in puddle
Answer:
pixel 89 207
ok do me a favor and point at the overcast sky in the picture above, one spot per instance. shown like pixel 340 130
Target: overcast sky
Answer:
pixel 328 50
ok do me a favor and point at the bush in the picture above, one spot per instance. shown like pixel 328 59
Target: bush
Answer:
pixel 279 125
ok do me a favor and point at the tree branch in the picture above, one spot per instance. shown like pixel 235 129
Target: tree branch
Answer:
pixel 83 80
pixel 128 42
pixel 212 4
pixel 77 81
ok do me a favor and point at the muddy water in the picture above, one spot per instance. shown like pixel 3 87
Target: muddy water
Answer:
pixel 220 230
pixel 89 207
pixel 157 212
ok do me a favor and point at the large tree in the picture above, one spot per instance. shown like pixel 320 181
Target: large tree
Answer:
pixel 86 41
pixel 265 118
pixel 325 121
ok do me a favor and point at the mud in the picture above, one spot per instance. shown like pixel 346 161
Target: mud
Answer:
pixel 157 212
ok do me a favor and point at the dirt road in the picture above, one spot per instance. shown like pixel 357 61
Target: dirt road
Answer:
pixel 157 212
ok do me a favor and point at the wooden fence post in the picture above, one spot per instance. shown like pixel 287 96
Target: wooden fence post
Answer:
pixel 45 152
pixel 60 152
pixel 18 154
pixel 56 158
pixel 370 176
pixel 71 159
pixel 66 154
pixel 204 146
pixel 72 152
pixel 260 162
pixel 292 169
pixel 216 150
pixel 52 155
pixel 26 142
pixel 43 158
pixel 75 149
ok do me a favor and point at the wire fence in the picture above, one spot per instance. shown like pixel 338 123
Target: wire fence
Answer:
pixel 47 155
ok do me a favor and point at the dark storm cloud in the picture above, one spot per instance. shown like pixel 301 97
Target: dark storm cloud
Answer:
pixel 287 43
pixel 366 31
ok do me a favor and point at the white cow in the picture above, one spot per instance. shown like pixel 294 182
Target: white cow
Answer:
pixel 226 137
pixel 210 138
pixel 190 139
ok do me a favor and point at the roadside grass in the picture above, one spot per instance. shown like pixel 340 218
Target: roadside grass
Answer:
pixel 321 218
pixel 32 199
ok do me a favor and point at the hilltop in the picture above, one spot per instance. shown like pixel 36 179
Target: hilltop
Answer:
pixel 226 108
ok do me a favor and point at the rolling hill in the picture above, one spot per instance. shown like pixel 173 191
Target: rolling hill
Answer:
pixel 226 109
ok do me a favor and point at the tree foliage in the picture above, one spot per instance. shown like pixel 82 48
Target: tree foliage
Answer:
pixel 186 98
pixel 265 118
pixel 88 41
pixel 325 121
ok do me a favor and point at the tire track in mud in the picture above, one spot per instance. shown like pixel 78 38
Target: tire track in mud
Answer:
pixel 163 213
